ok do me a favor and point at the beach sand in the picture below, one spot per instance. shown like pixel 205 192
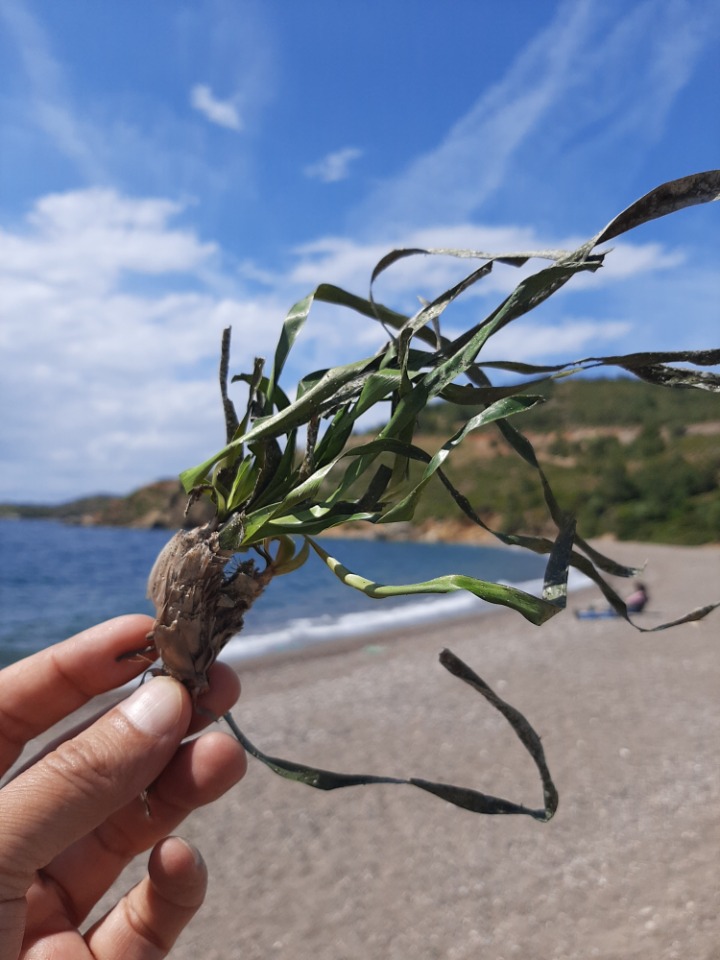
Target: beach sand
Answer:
pixel 630 723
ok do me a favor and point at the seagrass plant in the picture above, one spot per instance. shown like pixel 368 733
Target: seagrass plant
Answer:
pixel 289 472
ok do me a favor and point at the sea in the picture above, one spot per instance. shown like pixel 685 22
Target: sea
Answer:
pixel 57 579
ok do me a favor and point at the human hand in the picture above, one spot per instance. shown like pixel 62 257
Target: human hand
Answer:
pixel 74 818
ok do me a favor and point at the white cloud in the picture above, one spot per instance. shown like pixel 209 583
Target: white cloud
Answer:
pixel 530 342
pixel 624 260
pixel 222 112
pixel 86 239
pixel 333 167
pixel 110 339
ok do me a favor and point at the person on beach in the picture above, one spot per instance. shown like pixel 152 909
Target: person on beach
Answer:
pixel 73 817
pixel 635 603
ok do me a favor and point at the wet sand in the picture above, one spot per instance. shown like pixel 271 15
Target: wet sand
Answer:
pixel 630 724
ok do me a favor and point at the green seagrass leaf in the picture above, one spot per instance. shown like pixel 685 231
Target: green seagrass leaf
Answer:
pixel 196 476
pixel 534 609
pixel 463 797
pixel 294 322
pixel 327 293
pixel 312 521
pixel 667 198
pixel 243 483
pixel 466 395
pixel 335 438
pixel 677 377
pixel 698 614
pixel 632 362
pixel 558 565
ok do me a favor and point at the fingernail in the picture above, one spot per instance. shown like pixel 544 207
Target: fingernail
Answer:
pixel 155 707
pixel 193 851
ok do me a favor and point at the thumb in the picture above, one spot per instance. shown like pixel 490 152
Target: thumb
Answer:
pixel 70 791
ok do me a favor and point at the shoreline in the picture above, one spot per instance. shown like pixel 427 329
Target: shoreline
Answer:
pixel 581 596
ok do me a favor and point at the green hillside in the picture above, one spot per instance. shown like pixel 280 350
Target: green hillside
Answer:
pixel 629 459
pixel 653 488
pixel 602 402
pixel 636 461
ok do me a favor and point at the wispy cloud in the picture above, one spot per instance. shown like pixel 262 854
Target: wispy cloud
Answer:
pixel 565 102
pixel 224 113
pixel 333 167
pixel 139 141
pixel 472 159
pixel 50 103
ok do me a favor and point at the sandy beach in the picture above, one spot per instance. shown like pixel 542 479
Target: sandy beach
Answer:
pixel 630 724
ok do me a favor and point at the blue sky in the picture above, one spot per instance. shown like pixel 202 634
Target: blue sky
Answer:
pixel 170 168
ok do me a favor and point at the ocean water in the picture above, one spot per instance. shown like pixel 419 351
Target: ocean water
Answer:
pixel 56 580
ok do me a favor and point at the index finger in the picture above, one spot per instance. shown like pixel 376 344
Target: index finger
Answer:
pixel 42 689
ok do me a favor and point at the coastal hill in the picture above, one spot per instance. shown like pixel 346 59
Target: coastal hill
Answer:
pixel 158 505
pixel 631 460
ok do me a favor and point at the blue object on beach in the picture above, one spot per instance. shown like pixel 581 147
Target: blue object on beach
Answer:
pixel 596 614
